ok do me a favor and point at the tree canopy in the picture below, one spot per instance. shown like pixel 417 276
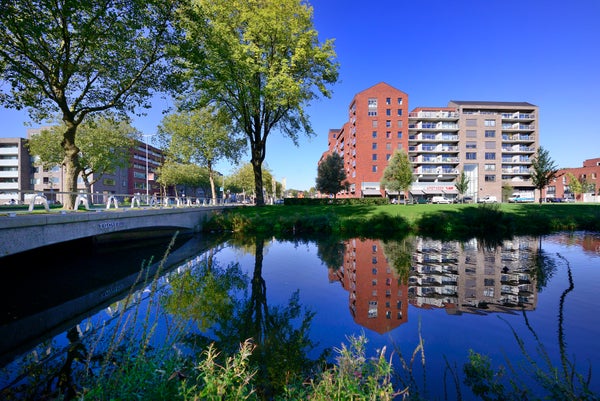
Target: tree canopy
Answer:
pixel 200 136
pixel 331 175
pixel 104 143
pixel 260 61
pixel 462 184
pixel 74 58
pixel 398 175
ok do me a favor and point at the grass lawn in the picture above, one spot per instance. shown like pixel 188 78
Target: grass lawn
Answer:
pixel 460 220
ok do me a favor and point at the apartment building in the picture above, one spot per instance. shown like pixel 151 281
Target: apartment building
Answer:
pixel 491 142
pixel 15 170
pixel 376 126
pixel 589 173
pixel 21 178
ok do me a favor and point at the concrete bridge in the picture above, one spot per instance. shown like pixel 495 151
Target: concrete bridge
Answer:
pixel 23 232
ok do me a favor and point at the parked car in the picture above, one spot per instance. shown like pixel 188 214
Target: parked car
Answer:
pixel 440 199
pixel 488 199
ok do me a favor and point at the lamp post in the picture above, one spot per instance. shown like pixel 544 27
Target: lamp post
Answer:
pixel 147 167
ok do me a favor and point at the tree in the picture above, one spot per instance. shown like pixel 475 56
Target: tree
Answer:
pixel 543 170
pixel 104 144
pixel 331 175
pixel 462 185
pixel 580 185
pixel 77 58
pixel 262 62
pixel 200 136
pixel 173 173
pixel 398 175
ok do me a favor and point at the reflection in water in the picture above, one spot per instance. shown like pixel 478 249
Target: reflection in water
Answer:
pixel 382 278
pixel 280 334
pixel 381 282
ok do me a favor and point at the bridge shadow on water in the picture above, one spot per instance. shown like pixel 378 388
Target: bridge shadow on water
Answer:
pixel 45 290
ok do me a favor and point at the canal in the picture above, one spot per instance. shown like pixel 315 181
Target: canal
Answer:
pixel 451 297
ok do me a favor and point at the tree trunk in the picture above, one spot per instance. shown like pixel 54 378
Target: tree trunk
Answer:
pixel 211 179
pixel 258 182
pixel 71 165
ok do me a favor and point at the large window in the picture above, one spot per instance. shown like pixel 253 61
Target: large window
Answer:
pixel 490 123
pixel 490 133
pixel 471 155
pixel 490 155
pixel 471 122
pixel 372 105
pixel 471 145
pixel 374 134
pixel 490 145
pixel 490 178
pixel 374 145
pixel 471 133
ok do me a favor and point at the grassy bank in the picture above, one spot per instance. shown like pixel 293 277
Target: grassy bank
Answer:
pixel 397 221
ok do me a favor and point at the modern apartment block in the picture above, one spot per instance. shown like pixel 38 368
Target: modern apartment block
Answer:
pixel 491 142
pixel 16 169
pixel 21 178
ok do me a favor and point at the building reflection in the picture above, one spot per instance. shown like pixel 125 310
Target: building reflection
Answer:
pixel 378 299
pixel 461 277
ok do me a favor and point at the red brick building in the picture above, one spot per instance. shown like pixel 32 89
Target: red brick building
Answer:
pixel 377 124
pixel 589 173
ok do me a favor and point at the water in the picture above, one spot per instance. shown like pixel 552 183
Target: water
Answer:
pixel 455 296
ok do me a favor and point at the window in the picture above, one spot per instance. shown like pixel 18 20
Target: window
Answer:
pixel 388 156
pixel 374 271
pixel 490 123
pixel 471 145
pixel 399 100
pixel 399 134
pixel 471 133
pixel 372 105
pixel 374 157
pixel 400 146
pixel 374 123
pixel 388 146
pixel 388 100
pixel 374 145
pixel 388 123
pixel 490 145
pixel 490 155
pixel 490 133
pixel 490 178
pixel 490 167
pixel 388 134
pixel 374 134
pixel 399 112
pixel 374 260
pixel 374 168
pixel 400 124
pixel 471 156
pixel 388 112
pixel 471 122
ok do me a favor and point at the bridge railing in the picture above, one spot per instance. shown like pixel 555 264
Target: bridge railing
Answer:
pixel 49 198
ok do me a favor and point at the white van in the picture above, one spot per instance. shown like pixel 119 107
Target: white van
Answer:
pixel 440 199
pixel 488 199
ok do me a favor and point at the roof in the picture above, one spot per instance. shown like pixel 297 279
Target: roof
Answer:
pixel 488 103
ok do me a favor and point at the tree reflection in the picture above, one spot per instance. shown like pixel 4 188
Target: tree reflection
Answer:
pixel 330 250
pixel 399 255
pixel 280 333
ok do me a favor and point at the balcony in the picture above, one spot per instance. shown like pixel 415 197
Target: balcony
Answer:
pixel 433 115
pixel 518 138
pixel 518 116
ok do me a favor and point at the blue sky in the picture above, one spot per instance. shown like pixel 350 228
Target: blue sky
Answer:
pixel 542 52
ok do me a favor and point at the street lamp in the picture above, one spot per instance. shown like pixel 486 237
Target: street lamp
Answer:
pixel 147 168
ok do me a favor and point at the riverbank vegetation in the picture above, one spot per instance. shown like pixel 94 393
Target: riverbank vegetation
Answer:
pixel 455 221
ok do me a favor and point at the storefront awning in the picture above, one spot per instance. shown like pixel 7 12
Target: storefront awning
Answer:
pixel 371 192
pixel 416 192
pixel 432 191
pixel 451 192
